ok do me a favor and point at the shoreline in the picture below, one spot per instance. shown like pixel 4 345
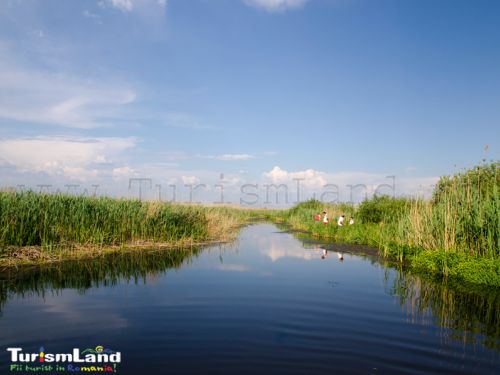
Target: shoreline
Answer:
pixel 475 271
pixel 37 256
pixel 472 271
pixel 43 228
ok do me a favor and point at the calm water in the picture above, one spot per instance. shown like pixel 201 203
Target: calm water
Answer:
pixel 268 304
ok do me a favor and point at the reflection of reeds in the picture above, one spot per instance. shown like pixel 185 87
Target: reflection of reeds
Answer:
pixel 103 271
pixel 464 313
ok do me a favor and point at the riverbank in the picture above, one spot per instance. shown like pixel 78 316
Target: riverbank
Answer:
pixel 186 302
pixel 438 264
pixel 45 228
pixel 453 235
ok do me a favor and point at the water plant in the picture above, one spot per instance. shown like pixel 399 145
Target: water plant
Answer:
pixel 51 222
pixel 453 234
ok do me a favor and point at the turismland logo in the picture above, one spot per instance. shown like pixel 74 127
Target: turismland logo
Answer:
pixel 98 359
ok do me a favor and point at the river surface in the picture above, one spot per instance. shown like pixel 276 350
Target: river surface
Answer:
pixel 270 303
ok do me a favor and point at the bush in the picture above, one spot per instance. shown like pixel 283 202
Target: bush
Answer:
pixel 382 208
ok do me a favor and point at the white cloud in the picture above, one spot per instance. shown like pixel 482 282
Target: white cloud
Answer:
pixel 178 155
pixel 59 99
pixel 190 180
pixel 78 158
pixel 76 173
pixel 231 180
pixel 150 13
pixel 92 16
pixel 312 179
pixel 351 185
pixel 130 5
pixel 123 5
pixel 233 157
pixel 277 175
pixel 270 153
pixel 122 172
pixel 276 5
pixel 417 186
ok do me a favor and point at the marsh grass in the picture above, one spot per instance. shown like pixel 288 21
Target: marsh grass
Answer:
pixel 58 223
pixel 454 234
pixel 30 219
pixel 463 215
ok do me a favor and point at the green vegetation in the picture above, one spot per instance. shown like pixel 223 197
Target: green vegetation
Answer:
pixel 455 234
pixel 43 225
pixel 382 209
pixel 463 215
pixel 468 313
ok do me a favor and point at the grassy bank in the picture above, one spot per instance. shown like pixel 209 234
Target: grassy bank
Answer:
pixel 46 227
pixel 454 234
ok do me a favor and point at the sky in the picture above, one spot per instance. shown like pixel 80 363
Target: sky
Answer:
pixel 335 99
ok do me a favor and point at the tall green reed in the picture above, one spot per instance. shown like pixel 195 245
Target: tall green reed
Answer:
pixel 31 219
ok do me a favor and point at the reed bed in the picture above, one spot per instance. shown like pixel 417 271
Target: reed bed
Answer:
pixel 50 221
pixel 456 233
pixel 463 215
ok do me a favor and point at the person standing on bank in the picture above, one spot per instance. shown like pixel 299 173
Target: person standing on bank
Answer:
pixel 340 221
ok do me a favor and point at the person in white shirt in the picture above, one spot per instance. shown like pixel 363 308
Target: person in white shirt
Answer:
pixel 325 217
pixel 351 221
pixel 341 220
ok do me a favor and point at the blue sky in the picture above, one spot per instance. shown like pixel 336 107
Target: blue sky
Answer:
pixel 180 91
